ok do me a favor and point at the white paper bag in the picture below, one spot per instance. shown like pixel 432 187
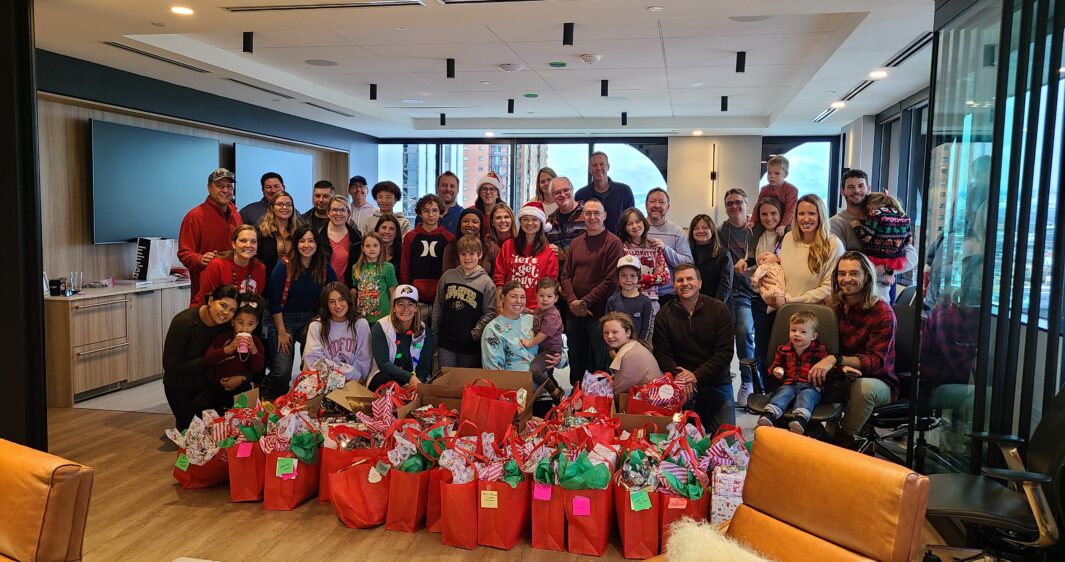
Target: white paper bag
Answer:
pixel 155 256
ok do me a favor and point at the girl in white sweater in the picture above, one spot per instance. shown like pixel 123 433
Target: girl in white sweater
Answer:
pixel 345 344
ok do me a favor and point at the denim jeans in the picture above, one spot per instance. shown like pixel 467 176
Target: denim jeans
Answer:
pixel 715 405
pixel 806 397
pixel 763 328
pixel 277 381
pixel 740 305
pixel 450 358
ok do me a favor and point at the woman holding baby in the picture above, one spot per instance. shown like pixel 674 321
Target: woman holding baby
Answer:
pixel 795 267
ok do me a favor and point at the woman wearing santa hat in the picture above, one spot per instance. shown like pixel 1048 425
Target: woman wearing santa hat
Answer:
pixel 528 257
pixel 488 193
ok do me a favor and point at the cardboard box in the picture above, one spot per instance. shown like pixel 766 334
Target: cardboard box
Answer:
pixel 634 422
pixel 354 397
pixel 447 389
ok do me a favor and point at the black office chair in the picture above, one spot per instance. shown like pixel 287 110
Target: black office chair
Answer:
pixel 1014 511
pixel 829 337
pixel 895 417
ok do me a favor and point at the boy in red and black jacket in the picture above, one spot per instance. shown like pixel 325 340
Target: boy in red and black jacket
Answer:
pixel 422 263
pixel 792 365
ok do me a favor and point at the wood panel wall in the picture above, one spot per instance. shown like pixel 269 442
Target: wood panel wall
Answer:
pixel 66 209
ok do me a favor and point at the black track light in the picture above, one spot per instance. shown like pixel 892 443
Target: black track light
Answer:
pixel 567 33
pixel 624 118
pixel 443 119
pixel 450 68
pixel 741 61
pixel 724 103
pixel 510 105
pixel 604 88
pixel 249 40
pixel 373 92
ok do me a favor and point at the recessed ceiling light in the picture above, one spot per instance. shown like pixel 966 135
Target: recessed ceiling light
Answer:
pixel 489 134
pixel 654 8
pixel 181 11
pixel 532 96
pixel 402 29
pixel 748 19
pixel 158 24
pixel 320 62
pixel 412 101
pixel 485 83
pixel 877 74
pixel 511 67
pixel 696 85
pixel 838 105
pixel 697 133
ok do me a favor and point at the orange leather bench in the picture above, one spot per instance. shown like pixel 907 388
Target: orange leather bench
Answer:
pixel 44 501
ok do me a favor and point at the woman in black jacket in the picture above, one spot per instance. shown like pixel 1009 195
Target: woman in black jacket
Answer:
pixel 185 382
pixel 339 237
pixel 714 261
pixel 275 232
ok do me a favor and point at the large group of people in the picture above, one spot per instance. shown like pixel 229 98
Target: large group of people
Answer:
pixel 361 288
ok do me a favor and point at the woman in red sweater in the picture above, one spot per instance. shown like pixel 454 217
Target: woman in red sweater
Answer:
pixel 238 267
pixel 527 257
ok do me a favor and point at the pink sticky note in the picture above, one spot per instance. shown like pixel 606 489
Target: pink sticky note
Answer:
pixel 542 492
pixel 289 476
pixel 244 449
pixel 677 503
pixel 582 505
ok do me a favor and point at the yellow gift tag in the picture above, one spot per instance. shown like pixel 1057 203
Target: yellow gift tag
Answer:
pixel 489 499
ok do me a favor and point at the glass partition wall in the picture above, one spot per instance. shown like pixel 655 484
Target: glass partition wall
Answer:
pixel 990 341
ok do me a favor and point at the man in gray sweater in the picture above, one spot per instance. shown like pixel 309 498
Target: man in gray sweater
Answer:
pixel 855 189
pixel 672 237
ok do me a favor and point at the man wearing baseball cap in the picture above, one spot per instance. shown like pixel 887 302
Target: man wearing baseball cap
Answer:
pixel 207 227
pixel 362 216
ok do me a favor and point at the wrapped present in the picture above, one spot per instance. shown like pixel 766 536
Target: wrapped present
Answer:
pixel 722 508
pixel 728 481
pixel 597 391
pixel 663 396
pixel 198 441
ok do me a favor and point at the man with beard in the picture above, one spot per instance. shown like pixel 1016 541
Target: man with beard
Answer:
pixel 272 184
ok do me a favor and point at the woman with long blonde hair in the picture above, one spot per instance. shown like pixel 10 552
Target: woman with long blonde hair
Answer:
pixel 808 256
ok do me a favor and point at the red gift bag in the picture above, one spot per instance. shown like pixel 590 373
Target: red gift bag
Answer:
pixel 588 516
pixel 408 495
pixel 332 460
pixel 246 473
pixel 358 502
pixel 673 508
pixel 281 494
pixel 602 404
pixel 437 476
pixel 638 529
pixel 213 473
pixel 548 517
pixel 489 408
pixel 458 514
pixel 637 406
pixel 502 513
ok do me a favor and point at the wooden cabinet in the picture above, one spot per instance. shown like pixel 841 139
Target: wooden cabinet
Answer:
pixel 145 335
pixel 103 339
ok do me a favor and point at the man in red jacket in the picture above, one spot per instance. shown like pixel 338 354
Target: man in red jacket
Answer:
pixel 207 228
pixel 588 280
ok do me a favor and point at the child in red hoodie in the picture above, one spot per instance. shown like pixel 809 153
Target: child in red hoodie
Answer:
pixel 423 252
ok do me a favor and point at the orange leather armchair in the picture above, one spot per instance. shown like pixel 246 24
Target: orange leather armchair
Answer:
pixel 807 500
pixel 45 500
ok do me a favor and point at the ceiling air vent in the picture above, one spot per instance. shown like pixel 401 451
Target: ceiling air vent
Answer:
pixel 908 51
pixel 330 110
pixel 137 51
pixel 823 115
pixel 323 5
pixel 262 89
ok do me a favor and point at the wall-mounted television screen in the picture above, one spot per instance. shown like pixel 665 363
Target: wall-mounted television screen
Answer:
pixel 295 168
pixel 144 181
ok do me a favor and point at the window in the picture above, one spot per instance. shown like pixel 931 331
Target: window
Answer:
pixel 813 165
pixel 412 167
pixel 568 160
pixel 640 165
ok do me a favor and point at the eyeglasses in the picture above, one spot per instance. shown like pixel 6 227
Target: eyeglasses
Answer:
pixel 736 203
pixel 338 211
pixel 283 205
pixel 593 213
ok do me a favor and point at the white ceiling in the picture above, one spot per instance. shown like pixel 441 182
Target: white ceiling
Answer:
pixel 667 69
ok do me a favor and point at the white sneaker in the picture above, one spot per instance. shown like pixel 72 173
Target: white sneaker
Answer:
pixel 745 391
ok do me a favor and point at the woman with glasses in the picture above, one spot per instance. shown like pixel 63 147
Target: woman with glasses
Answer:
pixel 185 382
pixel 275 231
pixel 401 343
pixel 340 241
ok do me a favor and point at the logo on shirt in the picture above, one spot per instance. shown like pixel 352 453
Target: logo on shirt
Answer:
pixel 429 248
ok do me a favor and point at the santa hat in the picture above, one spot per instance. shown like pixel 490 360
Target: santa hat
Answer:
pixel 492 179
pixel 535 209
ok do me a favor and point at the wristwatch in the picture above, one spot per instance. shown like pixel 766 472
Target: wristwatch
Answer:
pixel 839 359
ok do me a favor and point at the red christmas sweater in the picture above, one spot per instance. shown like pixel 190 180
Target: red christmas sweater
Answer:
pixel 525 269
pixel 224 271
pixel 422 263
